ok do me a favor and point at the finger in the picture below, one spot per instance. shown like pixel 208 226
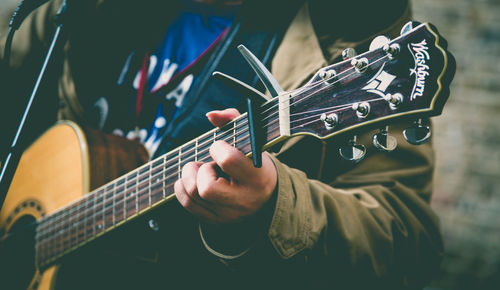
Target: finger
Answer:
pixel 232 161
pixel 220 118
pixel 211 186
pixel 188 177
pixel 192 205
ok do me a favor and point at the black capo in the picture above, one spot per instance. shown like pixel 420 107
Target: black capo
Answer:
pixel 254 99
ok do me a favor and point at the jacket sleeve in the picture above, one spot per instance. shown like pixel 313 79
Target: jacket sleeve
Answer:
pixel 374 218
pixel 352 225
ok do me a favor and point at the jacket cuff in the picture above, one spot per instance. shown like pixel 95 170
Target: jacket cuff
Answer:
pixel 285 218
pixel 232 241
pixel 291 222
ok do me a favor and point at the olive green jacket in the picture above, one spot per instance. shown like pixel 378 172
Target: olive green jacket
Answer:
pixel 331 224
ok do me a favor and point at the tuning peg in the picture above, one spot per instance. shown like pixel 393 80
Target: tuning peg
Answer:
pixel 383 141
pixel 379 41
pixel 409 26
pixel 418 134
pixel 360 64
pixel 328 76
pixel 349 53
pixel 392 50
pixel 362 109
pixel 352 151
pixel 394 100
pixel 330 120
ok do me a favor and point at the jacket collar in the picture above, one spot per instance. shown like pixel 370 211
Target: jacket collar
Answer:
pixel 290 65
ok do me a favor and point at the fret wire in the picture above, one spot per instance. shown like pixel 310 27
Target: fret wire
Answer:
pixel 245 142
pixel 104 208
pixel 234 134
pixel 141 190
pixel 69 208
pixel 71 225
pixel 164 173
pixel 78 225
pixel 94 223
pixel 136 193
pixel 163 188
pixel 87 223
pixel 138 176
pixel 149 186
pixel 59 231
pixel 48 240
pixel 196 150
pixel 103 196
pixel 121 192
pixel 126 192
pixel 107 198
pixel 166 186
pixel 179 164
pixel 114 186
pixel 75 223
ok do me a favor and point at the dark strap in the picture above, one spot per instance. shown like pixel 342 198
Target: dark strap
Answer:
pixel 260 29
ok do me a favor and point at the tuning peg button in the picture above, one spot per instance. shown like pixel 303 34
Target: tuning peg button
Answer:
pixel 352 151
pixel 418 134
pixel 378 42
pixel 362 109
pixel 395 100
pixel 392 49
pixel 409 26
pixel 360 64
pixel 330 120
pixel 349 53
pixel 328 76
pixel 384 142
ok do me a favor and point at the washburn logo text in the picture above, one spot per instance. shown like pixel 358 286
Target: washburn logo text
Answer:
pixel 421 70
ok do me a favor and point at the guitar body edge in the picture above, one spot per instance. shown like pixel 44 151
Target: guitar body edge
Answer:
pixel 65 163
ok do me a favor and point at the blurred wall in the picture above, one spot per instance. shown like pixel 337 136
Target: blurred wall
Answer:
pixel 467 142
pixel 6 9
pixel 466 138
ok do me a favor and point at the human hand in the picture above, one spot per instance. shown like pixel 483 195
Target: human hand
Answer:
pixel 229 188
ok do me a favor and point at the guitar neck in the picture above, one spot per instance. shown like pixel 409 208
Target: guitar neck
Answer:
pixel 141 190
pixel 405 78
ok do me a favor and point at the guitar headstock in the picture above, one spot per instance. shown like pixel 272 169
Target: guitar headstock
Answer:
pixel 406 78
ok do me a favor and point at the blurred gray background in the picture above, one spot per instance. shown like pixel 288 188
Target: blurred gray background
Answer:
pixel 466 138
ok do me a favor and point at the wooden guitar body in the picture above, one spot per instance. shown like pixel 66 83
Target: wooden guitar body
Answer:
pixel 61 166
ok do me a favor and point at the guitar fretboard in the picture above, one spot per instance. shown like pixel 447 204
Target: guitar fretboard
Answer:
pixel 137 192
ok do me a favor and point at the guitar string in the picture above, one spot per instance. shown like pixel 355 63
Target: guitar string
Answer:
pixel 85 204
pixel 329 85
pixel 122 195
pixel 105 200
pixel 71 208
pixel 317 83
pixel 70 240
pixel 127 183
pixel 310 87
pixel 334 111
pixel 139 193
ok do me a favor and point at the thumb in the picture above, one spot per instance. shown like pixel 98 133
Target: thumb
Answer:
pixel 220 118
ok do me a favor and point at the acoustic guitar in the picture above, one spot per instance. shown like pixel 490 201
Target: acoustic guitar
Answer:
pixel 50 211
